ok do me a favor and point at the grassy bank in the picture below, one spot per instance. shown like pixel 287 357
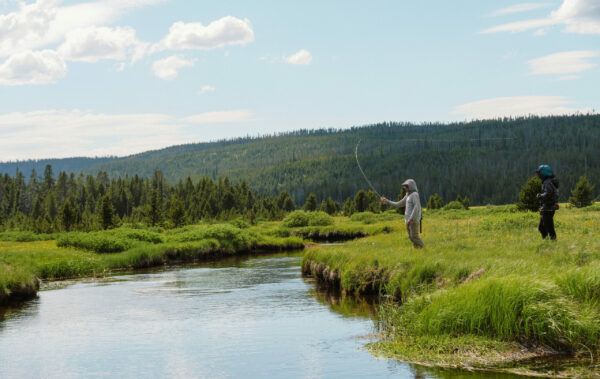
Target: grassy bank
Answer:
pixel 26 258
pixel 486 283
pixel 72 255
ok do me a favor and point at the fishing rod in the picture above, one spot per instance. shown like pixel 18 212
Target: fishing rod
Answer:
pixel 361 170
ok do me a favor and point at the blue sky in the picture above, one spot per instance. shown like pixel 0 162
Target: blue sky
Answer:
pixel 116 77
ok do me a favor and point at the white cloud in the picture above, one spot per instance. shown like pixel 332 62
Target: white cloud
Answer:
pixel 167 69
pixel 578 16
pixel 195 36
pixel 517 106
pixel 61 133
pixel 568 62
pixel 32 67
pixel 302 57
pixel 207 88
pixel 93 43
pixel 519 8
pixel 220 117
pixel 45 22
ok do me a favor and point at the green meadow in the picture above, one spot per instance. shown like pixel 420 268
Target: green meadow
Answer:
pixel 27 258
pixel 486 290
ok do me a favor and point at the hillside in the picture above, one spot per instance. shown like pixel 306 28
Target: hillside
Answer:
pixel 487 161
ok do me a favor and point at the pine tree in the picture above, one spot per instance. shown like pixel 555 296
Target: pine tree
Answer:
pixel 361 201
pixel 528 200
pixel 155 208
pixel 311 203
pixel 68 215
pixel 177 211
pixel 106 212
pixel 435 202
pixel 348 207
pixel 583 193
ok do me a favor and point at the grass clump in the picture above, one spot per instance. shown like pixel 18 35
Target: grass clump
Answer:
pixel 98 242
pixel 364 217
pixel 25 236
pixel 227 235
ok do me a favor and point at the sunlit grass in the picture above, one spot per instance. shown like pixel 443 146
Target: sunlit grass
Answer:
pixel 485 272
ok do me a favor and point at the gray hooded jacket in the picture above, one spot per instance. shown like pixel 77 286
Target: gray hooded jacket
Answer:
pixel 411 201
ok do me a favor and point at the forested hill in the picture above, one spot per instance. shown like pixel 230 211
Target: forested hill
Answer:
pixel 488 161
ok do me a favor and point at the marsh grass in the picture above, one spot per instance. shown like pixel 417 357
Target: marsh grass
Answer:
pixel 485 273
pixel 93 254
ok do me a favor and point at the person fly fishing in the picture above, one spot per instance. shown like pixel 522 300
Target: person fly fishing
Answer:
pixel 549 201
pixel 412 214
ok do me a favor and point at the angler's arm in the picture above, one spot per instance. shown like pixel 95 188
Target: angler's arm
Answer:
pixel 396 204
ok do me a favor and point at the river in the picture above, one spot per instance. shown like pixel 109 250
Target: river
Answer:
pixel 252 317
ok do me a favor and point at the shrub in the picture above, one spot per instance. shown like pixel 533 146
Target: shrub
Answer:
pixel 435 202
pixel 319 219
pixel 295 219
pixel 583 193
pixel 528 200
pixel 453 205
pixel 25 236
pixel 364 217
pixel 227 235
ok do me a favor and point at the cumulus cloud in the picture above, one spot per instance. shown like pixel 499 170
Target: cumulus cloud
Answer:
pixel 518 106
pixel 93 43
pixel 167 69
pixel 302 57
pixel 64 133
pixel 195 36
pixel 578 16
pixel 568 62
pixel 32 67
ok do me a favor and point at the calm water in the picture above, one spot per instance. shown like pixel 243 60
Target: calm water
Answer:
pixel 247 318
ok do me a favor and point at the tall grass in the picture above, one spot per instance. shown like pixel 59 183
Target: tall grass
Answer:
pixel 485 272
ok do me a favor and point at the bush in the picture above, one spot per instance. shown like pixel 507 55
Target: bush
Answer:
pixel 583 193
pixel 295 219
pixel 528 200
pixel 319 219
pixel 364 217
pixel 453 205
pixel 227 235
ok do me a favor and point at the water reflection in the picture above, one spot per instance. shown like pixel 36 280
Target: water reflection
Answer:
pixel 345 305
pixel 250 317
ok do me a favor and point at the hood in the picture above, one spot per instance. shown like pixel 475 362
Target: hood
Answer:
pixel 544 171
pixel 412 185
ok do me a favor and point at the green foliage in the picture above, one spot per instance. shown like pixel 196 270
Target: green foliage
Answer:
pixel 528 200
pixel 106 212
pixel 68 215
pixel 364 217
pixel 296 219
pixel 311 203
pixel 227 235
pixel 25 236
pixel 319 219
pixel 583 193
pixel 348 207
pixel 435 202
pixel 454 205
pixel 361 201
pixel 98 242
pixel 177 212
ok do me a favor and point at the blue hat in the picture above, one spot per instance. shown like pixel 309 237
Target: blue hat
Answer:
pixel 544 171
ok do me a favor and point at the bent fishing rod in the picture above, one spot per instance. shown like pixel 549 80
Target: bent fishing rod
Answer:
pixel 362 172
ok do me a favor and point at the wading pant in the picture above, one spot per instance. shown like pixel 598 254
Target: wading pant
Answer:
pixel 413 235
pixel 546 226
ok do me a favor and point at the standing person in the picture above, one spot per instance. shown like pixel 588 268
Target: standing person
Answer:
pixel 412 214
pixel 549 200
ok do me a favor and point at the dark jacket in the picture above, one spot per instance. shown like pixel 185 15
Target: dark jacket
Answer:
pixel 549 195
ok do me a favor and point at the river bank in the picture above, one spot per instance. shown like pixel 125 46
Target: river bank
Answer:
pixel 487 292
pixel 26 259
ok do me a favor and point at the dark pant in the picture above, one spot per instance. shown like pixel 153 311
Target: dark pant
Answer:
pixel 546 226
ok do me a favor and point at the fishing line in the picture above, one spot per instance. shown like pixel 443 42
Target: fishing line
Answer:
pixel 361 170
